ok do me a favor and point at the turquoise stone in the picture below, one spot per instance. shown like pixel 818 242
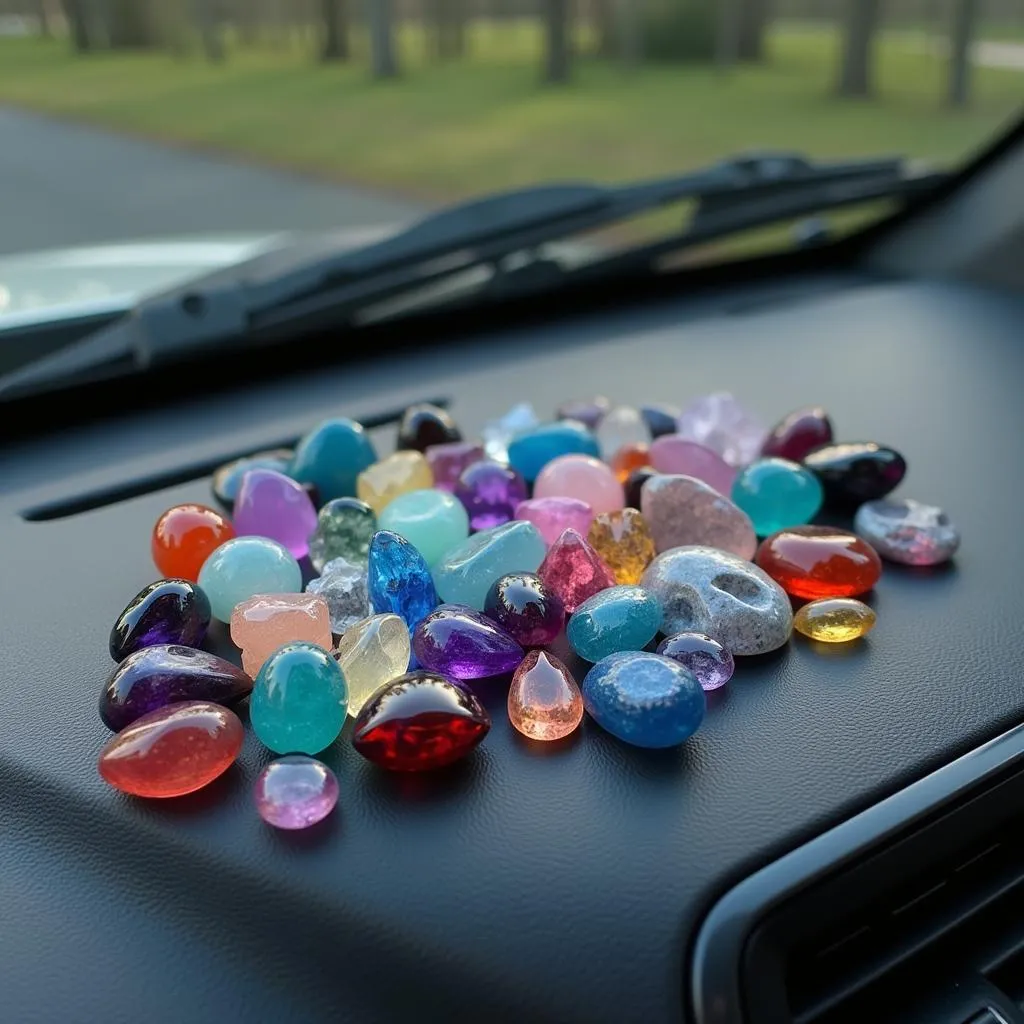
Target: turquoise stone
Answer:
pixel 622 618
pixel 331 457
pixel 432 521
pixel 245 566
pixel 531 451
pixel 399 580
pixel 299 700
pixel 466 573
pixel 777 494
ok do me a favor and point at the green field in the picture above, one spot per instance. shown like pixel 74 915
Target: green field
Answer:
pixel 447 130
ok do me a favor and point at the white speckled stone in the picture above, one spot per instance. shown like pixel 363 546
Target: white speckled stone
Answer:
pixel 907 531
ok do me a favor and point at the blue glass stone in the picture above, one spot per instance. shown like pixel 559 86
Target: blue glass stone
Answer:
pixel 299 700
pixel 644 699
pixel 624 618
pixel 172 611
pixel 530 452
pixel 777 494
pixel 399 580
pixel 332 456
pixel 466 573
pixel 245 566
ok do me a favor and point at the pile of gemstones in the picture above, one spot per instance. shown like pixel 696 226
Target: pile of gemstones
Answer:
pixel 390 589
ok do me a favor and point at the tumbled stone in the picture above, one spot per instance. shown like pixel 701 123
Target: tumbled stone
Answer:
pixel 582 477
pixel 553 515
pixel 173 750
pixel 675 455
pixel 154 677
pixel 532 450
pixel 574 571
pixel 720 423
pixel 588 411
pixel 705 590
pixel 854 472
pixel 432 520
pixel 798 433
pixel 907 531
pixel 273 505
pixel 834 620
pixel 344 587
pixel 228 478
pixel 644 699
pixel 447 461
pixel 425 424
pixel 371 653
pixel 185 536
pixel 819 561
pixel 498 434
pixel 703 655
pixel 399 579
pixel 331 456
pixel 171 611
pixel 490 493
pixel 682 510
pixel 777 493
pixel 635 484
pixel 463 644
pixel 245 566
pixel 628 458
pixel 525 607
pixel 295 792
pixel 544 701
pixel 622 426
pixel 624 543
pixel 420 721
pixel 261 624
pixel 660 419
pixel 399 473
pixel 621 618
pixel 344 529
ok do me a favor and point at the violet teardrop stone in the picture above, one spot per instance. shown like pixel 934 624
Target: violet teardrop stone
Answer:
pixel 460 642
pixel 171 611
pixel 524 606
pixel 154 677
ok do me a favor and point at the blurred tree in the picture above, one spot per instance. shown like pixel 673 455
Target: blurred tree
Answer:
pixel 77 16
pixel 603 16
pixel 727 32
pixel 965 14
pixel 754 17
pixel 209 21
pixel 334 38
pixel 861 24
pixel 446 27
pixel 130 24
pixel 382 44
pixel 556 40
pixel 629 31
pixel 44 16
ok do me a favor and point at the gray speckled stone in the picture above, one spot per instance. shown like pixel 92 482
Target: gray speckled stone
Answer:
pixel 704 590
pixel 907 531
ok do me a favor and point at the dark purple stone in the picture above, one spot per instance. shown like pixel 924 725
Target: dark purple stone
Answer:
pixel 491 493
pixel 154 677
pixel 800 432
pixel 169 611
pixel 853 472
pixel 660 419
pixel 635 482
pixel 424 425
pixel 588 411
pixel 523 605
pixel 463 644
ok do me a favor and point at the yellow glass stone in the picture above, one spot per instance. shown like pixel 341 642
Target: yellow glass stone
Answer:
pixel 834 620
pixel 400 473
pixel 624 543
pixel 371 653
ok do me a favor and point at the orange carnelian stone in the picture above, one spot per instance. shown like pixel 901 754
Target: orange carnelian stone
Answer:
pixel 628 458
pixel 819 561
pixel 184 537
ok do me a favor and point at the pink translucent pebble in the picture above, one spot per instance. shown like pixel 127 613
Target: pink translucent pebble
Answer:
pixel 582 477
pixel 270 504
pixel 674 454
pixel 719 422
pixel 553 515
pixel 295 792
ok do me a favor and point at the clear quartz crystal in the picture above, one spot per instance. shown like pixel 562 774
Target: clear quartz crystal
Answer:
pixel 343 586
pixel 498 433
pixel 720 423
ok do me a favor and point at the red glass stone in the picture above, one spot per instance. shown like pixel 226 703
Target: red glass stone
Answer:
pixel 185 536
pixel 819 561
pixel 419 721
pixel 629 458
pixel 172 751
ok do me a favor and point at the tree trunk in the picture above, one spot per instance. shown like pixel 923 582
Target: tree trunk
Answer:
pixel 629 31
pixel 858 43
pixel 129 24
pixel 727 32
pixel 78 24
pixel 754 18
pixel 208 19
pixel 603 13
pixel 962 33
pixel 382 46
pixel 556 33
pixel 445 20
pixel 335 31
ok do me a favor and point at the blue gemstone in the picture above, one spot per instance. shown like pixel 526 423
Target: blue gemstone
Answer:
pixel 331 457
pixel 532 451
pixel 624 618
pixel 399 580
pixel 644 699
pixel 777 494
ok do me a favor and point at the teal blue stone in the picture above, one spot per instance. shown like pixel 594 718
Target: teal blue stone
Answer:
pixel 622 618
pixel 465 574
pixel 299 700
pixel 776 494
pixel 245 566
pixel 531 451
pixel 432 521
pixel 331 457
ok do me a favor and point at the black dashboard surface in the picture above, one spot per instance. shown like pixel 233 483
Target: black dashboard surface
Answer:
pixel 525 885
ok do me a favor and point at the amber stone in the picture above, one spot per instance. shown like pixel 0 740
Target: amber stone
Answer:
pixel 624 543
pixel 628 458
pixel 424 425
pixel 819 561
pixel 834 620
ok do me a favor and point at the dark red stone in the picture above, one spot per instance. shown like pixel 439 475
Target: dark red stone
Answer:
pixel 798 433
pixel 424 425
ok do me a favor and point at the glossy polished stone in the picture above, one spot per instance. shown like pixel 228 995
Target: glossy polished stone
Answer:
pixel 553 515
pixel 834 620
pixel 798 433
pixel 245 566
pixel 420 721
pixel 703 655
pixel 295 792
pixel 777 493
pixel 371 653
pixel 463 644
pixel 573 570
pixel 378 485
pixel 532 450
pixel 172 751
pixel 447 461
pixel 399 579
pixel 820 561
pixel 490 494
pixel 854 472
pixel 677 456
pixel 299 700
pixel 660 419
pixel 644 699
pixel 185 536
pixel 622 426
pixel 465 574
pixel 331 457
pixel 344 587
pixel 588 411
pixel 498 434
pixel 344 529
pixel 166 612
pixel 907 531
pixel 681 510
pixel 623 542
pixel 544 701
pixel 228 478
pixel 629 458
pixel 704 590
pixel 582 477
pixel 525 608
pixel 432 520
pixel 621 618
pixel 424 425
pixel 270 504
pixel 261 624
pixel 154 677
pixel 720 423
pixel 634 486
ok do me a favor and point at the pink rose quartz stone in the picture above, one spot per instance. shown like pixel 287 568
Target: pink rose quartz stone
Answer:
pixel 553 515
pixel 574 570
pixel 263 623
pixel 582 477
pixel 720 423
pixel 673 453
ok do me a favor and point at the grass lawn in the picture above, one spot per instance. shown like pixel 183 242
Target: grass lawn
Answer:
pixel 443 131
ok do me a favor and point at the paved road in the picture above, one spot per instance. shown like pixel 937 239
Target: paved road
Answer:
pixel 63 184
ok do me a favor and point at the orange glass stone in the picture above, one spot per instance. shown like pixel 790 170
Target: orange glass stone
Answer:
pixel 628 458
pixel 819 561
pixel 544 702
pixel 185 536
pixel 265 622
pixel 172 751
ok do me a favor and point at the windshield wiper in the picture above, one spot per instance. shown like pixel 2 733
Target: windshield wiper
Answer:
pixel 281 293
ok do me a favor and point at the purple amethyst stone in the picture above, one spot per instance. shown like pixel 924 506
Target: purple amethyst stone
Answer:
pixel 704 656
pixel 459 642
pixel 154 677
pixel 169 611
pixel 523 605
pixel 491 493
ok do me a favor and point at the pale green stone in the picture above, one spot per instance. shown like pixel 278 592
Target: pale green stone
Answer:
pixel 432 521
pixel 245 566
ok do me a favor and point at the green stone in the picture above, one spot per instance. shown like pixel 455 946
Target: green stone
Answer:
pixel 432 521
pixel 344 528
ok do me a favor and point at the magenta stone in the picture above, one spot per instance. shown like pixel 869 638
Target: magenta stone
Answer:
pixel 295 792
pixel 491 493
pixel 448 461
pixel 460 642
pixel 553 515
pixel 799 433
pixel 704 656
pixel 673 454
pixel 720 423
pixel 523 605
pixel 270 504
